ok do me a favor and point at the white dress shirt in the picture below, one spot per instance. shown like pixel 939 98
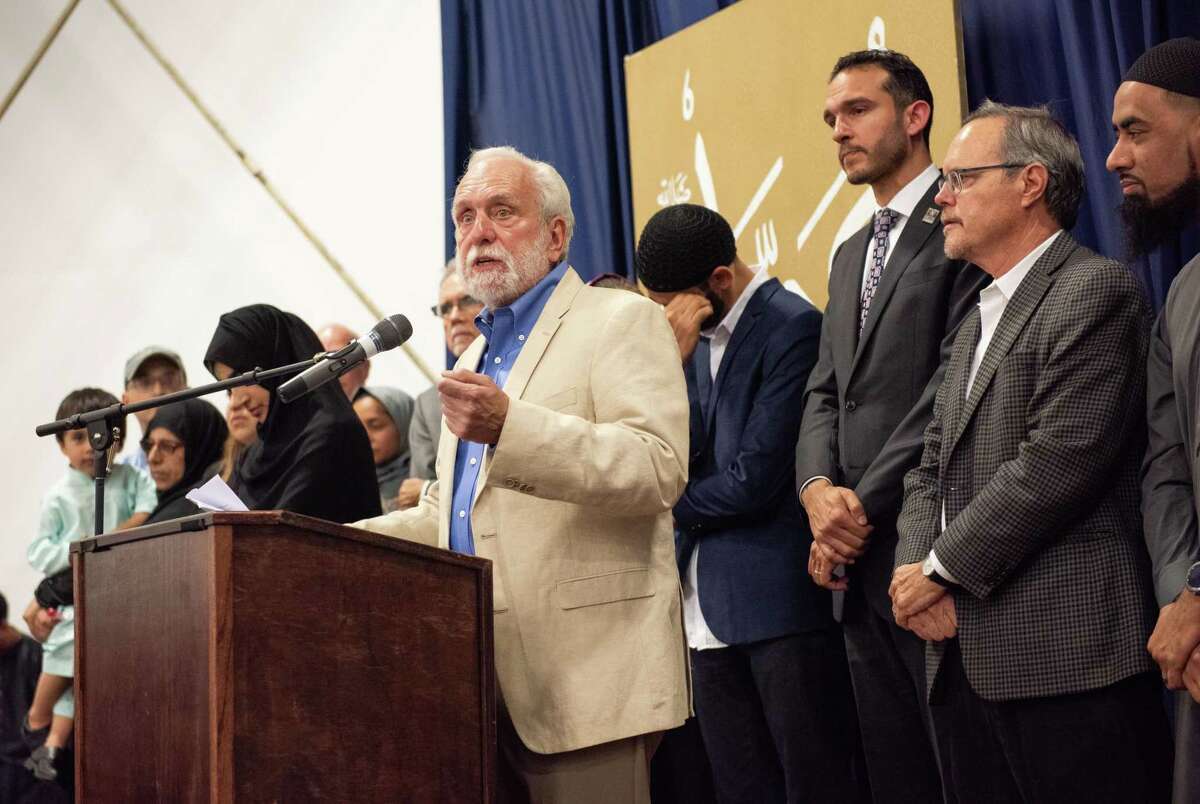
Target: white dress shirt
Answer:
pixel 904 203
pixel 698 633
pixel 992 301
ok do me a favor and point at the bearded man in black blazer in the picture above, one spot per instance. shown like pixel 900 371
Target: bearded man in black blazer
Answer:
pixel 1020 555
pixel 895 302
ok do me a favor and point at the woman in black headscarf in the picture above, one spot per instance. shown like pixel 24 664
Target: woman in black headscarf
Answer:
pixel 312 455
pixel 182 443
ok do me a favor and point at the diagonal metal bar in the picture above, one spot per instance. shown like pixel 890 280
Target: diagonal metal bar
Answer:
pixel 47 40
pixel 258 174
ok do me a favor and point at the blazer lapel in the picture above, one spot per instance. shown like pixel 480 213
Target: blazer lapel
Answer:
pixel 701 367
pixel 955 379
pixel 535 347
pixel 1012 323
pixel 448 447
pixel 849 292
pixel 917 229
pixel 741 332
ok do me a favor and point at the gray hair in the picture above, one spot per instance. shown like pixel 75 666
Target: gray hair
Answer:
pixel 450 269
pixel 1033 136
pixel 553 195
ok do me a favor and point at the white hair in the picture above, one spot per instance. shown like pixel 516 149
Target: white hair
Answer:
pixel 553 195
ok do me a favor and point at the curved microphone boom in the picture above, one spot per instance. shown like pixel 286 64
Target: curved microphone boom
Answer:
pixel 387 334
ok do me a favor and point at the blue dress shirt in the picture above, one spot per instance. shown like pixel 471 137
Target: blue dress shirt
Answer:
pixel 505 331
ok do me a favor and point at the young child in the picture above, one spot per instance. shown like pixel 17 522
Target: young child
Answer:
pixel 68 514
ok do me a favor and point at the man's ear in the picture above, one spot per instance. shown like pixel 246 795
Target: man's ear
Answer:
pixel 1036 180
pixel 558 239
pixel 721 279
pixel 916 116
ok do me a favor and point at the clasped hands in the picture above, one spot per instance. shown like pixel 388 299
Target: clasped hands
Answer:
pixel 474 407
pixel 921 605
pixel 840 531
pixel 1175 644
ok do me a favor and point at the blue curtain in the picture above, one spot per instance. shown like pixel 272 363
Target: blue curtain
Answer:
pixel 1071 55
pixel 548 78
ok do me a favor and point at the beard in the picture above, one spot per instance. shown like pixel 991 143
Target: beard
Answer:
pixel 1149 223
pixel 718 312
pixel 521 272
pixel 887 155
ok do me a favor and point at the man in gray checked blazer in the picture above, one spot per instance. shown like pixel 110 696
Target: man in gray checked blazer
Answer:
pixel 1020 554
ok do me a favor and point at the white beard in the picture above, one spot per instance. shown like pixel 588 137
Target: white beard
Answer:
pixel 500 288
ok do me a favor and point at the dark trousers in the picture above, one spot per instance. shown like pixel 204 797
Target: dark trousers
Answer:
pixel 1105 745
pixel 887 666
pixel 777 718
pixel 1187 748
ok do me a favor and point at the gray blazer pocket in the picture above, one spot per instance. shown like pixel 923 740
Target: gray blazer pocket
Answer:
pixel 608 587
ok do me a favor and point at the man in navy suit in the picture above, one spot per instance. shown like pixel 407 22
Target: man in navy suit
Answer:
pixel 771 685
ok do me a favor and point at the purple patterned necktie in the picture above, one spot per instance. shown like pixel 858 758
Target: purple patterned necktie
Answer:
pixel 884 219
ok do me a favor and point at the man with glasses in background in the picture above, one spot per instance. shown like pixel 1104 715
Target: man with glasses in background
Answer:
pixel 1020 555
pixel 457 311
pixel 153 371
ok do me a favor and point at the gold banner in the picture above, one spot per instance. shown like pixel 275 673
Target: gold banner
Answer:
pixel 728 114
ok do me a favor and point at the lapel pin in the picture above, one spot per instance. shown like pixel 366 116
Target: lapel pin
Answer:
pixel 931 215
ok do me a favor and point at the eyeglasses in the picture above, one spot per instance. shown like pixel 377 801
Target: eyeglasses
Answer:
pixel 158 381
pixel 954 178
pixel 464 303
pixel 168 448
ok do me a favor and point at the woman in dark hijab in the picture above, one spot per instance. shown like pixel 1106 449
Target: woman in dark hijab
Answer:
pixel 386 413
pixel 312 455
pixel 182 443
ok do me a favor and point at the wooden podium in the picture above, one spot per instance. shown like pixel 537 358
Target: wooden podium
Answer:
pixel 268 656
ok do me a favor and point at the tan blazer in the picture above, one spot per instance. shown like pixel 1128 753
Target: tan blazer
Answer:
pixel 573 507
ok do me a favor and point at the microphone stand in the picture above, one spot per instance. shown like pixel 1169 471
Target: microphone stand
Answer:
pixel 104 424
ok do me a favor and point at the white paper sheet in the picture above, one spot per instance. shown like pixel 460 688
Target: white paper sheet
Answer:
pixel 215 495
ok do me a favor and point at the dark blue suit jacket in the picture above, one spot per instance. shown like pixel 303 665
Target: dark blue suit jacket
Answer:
pixel 740 504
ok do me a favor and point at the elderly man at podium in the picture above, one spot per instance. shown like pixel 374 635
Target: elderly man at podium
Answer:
pixel 563 448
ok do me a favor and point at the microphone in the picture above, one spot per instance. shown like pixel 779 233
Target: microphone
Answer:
pixel 387 334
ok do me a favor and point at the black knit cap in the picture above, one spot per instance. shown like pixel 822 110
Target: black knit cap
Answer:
pixel 1173 65
pixel 681 246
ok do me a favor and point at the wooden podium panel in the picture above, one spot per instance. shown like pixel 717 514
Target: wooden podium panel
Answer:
pixel 267 656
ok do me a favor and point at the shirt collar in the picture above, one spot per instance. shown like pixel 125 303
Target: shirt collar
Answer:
pixel 905 201
pixel 729 322
pixel 1011 280
pixel 526 309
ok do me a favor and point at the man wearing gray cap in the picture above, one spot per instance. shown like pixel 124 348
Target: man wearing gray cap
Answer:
pixel 152 371
pixel 1156 114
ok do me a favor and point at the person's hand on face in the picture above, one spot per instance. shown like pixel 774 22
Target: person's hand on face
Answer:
pixel 686 312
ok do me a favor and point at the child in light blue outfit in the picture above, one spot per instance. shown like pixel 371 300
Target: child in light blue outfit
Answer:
pixel 68 514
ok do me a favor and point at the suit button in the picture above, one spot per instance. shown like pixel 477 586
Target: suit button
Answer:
pixel 512 484
pixel 851 405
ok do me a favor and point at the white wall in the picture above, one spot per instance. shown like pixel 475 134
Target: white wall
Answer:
pixel 125 221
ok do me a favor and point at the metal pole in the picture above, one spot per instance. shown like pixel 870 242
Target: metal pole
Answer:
pixel 260 176
pixel 37 58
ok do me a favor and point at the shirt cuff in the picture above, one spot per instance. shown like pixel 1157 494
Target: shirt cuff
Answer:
pixel 804 485
pixel 1169 579
pixel 941 570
